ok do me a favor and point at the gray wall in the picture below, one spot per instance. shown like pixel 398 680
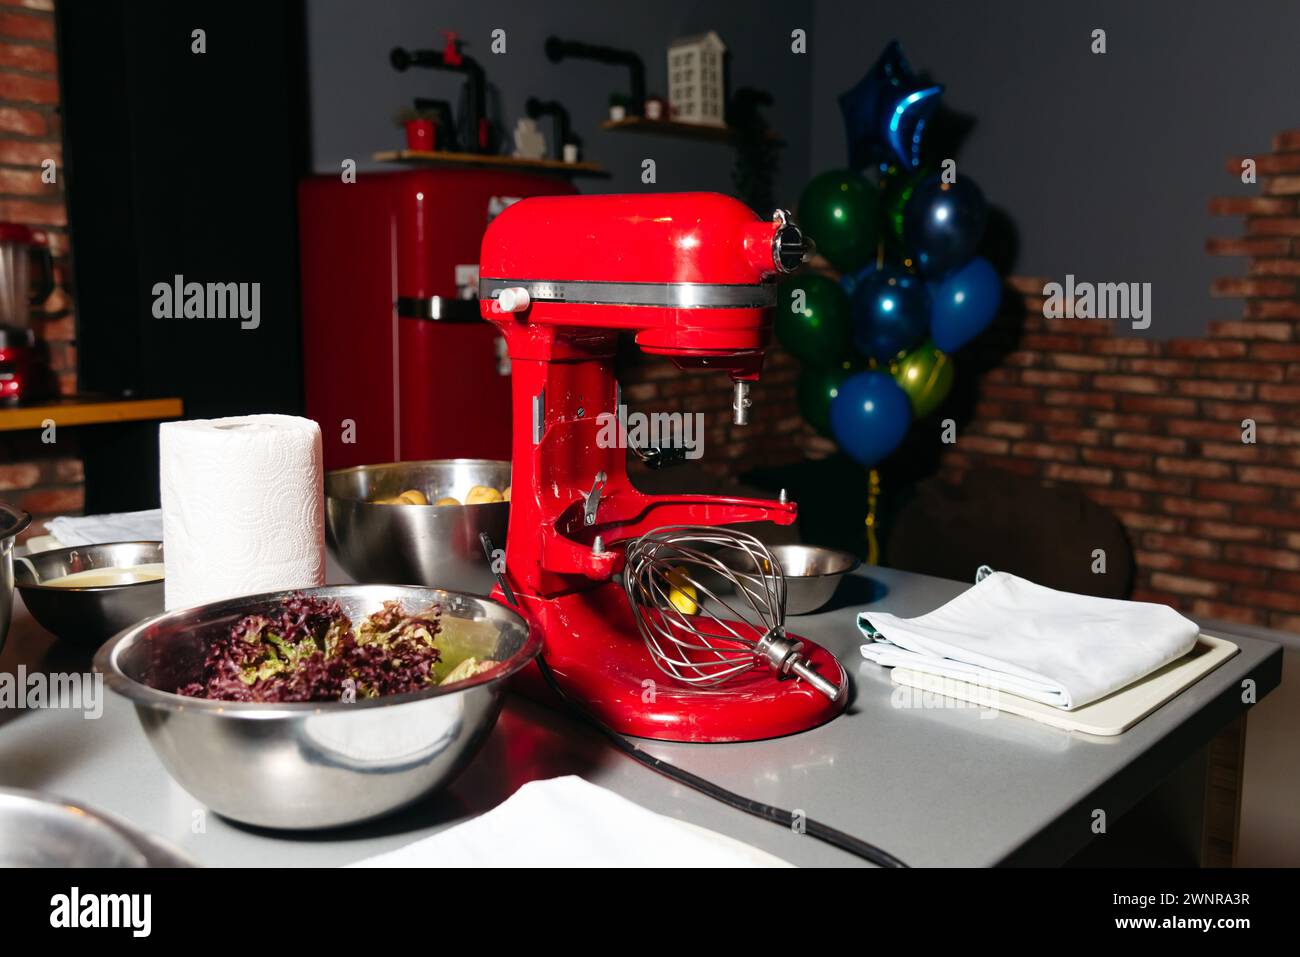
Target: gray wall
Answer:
pixel 1105 163
pixel 355 92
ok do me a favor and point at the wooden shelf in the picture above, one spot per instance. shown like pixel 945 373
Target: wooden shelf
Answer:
pixel 690 131
pixel 87 410
pixel 425 158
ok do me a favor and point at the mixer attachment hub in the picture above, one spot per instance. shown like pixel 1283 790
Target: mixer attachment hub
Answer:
pixel 681 580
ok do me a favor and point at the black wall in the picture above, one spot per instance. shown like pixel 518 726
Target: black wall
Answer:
pixel 187 163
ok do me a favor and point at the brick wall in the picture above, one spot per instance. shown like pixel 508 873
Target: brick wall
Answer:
pixel 1154 429
pixel 35 476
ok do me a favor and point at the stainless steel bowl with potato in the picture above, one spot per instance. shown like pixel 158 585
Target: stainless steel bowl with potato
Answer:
pixel 812 573
pixel 418 523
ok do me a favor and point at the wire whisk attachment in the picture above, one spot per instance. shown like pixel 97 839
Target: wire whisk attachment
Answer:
pixel 710 604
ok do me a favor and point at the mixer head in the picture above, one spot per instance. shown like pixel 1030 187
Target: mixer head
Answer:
pixel 710 604
pixel 689 274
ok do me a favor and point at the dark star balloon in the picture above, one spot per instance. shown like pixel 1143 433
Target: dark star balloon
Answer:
pixel 886 113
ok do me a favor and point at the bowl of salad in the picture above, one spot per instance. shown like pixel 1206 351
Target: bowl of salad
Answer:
pixel 321 707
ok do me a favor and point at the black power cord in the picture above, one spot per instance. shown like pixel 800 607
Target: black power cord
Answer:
pixel 768 812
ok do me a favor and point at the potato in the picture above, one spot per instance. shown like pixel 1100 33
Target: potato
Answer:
pixel 411 496
pixel 447 500
pixel 682 594
pixel 482 495
pixel 505 496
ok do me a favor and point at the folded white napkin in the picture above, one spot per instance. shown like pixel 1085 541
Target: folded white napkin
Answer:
pixel 1056 647
pixel 568 822
pixel 111 527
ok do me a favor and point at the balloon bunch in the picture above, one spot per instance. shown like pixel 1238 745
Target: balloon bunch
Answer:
pixel 876 343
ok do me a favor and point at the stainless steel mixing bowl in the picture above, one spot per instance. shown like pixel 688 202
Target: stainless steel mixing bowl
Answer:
pixel 812 574
pixel 89 615
pixel 314 765
pixel 12 522
pixel 39 830
pixel 433 545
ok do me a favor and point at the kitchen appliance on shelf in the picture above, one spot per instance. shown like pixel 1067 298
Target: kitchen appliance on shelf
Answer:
pixel 689 275
pixel 26 279
pixel 398 363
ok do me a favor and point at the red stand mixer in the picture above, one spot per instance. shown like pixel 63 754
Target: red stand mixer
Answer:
pixel 689 275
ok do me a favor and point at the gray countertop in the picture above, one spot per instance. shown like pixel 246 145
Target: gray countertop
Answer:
pixel 935 786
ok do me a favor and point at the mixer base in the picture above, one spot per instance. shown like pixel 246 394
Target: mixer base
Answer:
pixel 599 661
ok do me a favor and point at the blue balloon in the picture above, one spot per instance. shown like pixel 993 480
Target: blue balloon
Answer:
pixel 963 304
pixel 870 415
pixel 890 310
pixel 886 112
pixel 943 224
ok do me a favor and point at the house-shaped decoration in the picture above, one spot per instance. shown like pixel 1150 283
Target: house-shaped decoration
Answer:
pixel 695 80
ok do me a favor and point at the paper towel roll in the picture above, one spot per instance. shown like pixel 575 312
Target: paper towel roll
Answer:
pixel 242 507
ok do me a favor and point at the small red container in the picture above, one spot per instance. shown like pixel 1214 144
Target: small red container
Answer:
pixel 421 135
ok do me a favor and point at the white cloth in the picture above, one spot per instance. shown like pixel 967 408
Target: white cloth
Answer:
pixel 569 822
pixel 1056 647
pixel 242 506
pixel 72 530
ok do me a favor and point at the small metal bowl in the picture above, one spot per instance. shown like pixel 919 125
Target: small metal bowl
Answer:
pixel 12 522
pixel 812 573
pixel 318 764
pixel 433 545
pixel 38 830
pixel 91 615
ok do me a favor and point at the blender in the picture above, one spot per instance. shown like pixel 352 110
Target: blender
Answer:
pixel 26 279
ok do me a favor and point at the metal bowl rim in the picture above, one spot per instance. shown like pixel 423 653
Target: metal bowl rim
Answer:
pixel 83 589
pixel 105 663
pixel 854 562
pixel 155 852
pixel 418 462
pixel 21 520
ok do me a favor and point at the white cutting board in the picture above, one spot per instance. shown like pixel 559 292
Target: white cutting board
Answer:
pixel 1111 715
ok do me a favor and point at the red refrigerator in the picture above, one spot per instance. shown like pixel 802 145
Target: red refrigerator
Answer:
pixel 398 363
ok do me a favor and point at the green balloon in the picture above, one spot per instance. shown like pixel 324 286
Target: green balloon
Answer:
pixel 812 319
pixel 817 388
pixel 926 375
pixel 899 187
pixel 840 210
